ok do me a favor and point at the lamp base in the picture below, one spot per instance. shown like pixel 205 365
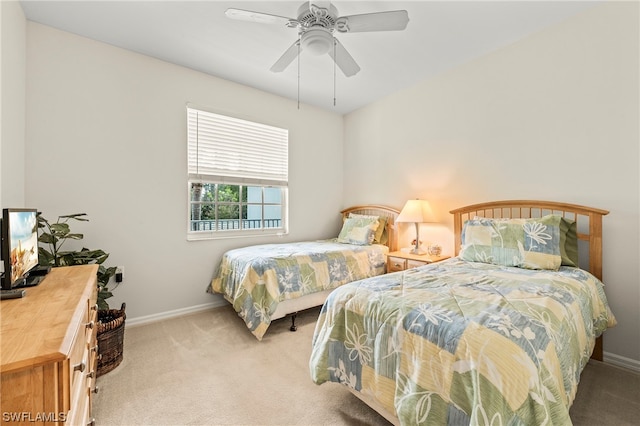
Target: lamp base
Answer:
pixel 417 251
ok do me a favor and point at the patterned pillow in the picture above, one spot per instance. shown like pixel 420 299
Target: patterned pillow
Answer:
pixel 524 243
pixel 358 230
pixel 381 235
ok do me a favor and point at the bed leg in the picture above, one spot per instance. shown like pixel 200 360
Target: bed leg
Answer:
pixel 598 349
pixel 293 327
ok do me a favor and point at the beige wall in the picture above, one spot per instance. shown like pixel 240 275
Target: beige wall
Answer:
pixel 552 117
pixel 12 104
pixel 106 136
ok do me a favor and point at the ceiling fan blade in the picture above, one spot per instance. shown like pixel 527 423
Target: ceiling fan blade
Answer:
pixel 259 17
pixel 287 57
pixel 343 59
pixel 394 20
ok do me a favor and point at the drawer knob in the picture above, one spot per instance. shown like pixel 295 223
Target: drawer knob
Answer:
pixel 80 367
pixel 89 325
pixel 94 307
pixel 92 422
pixel 95 390
pixel 91 375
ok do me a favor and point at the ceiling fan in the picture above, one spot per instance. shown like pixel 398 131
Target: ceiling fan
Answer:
pixel 316 26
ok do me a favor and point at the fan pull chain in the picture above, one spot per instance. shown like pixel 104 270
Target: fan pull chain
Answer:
pixel 335 60
pixel 298 74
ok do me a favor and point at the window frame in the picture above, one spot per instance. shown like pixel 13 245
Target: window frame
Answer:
pixel 245 182
pixel 238 233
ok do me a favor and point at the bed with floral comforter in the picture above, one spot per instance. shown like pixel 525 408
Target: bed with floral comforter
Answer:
pixel 256 279
pixel 461 342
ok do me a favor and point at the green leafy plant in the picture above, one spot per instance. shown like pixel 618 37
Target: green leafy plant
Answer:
pixel 54 235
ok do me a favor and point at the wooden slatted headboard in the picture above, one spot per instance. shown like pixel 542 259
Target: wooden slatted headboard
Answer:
pixel 377 210
pixel 588 219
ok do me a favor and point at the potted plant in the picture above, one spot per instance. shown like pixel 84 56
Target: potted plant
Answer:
pixel 110 328
pixel 55 235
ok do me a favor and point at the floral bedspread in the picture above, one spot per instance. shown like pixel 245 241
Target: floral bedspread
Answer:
pixel 255 279
pixel 463 342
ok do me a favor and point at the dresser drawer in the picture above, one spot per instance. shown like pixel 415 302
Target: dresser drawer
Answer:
pixel 83 367
pixel 78 359
pixel 80 411
pixel 411 263
pixel 93 351
pixel 395 264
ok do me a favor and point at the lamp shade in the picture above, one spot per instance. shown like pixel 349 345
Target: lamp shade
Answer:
pixel 417 211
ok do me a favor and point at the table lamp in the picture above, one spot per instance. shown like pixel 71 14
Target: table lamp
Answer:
pixel 416 211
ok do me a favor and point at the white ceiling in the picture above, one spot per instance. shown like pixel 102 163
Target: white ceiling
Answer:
pixel 197 34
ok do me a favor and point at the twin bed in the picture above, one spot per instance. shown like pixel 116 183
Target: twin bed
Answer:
pixel 270 281
pixel 498 334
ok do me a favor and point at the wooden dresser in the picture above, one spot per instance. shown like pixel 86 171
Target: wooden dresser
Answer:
pixel 48 352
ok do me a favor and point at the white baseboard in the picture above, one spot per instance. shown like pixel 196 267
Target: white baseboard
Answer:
pixel 621 361
pixel 132 322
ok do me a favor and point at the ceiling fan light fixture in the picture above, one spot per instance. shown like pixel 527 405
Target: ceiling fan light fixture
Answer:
pixel 317 41
pixel 316 26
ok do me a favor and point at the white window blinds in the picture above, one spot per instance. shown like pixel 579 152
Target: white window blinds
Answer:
pixel 227 149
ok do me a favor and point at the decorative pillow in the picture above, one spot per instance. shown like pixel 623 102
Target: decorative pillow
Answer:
pixel 381 233
pixel 525 243
pixel 568 242
pixel 358 230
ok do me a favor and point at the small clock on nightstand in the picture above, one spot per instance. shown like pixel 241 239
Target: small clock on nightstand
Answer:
pixel 399 260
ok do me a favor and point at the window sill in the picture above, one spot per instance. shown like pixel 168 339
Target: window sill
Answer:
pixel 220 235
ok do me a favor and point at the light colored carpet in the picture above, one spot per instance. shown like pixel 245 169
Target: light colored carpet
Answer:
pixel 207 369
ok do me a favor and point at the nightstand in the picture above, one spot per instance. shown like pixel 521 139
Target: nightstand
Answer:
pixel 399 260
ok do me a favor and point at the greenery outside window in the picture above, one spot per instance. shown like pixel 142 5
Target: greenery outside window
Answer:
pixel 237 177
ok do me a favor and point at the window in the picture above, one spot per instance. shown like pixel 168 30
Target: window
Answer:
pixel 238 177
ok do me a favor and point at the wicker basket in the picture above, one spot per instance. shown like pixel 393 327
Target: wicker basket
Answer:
pixel 110 338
